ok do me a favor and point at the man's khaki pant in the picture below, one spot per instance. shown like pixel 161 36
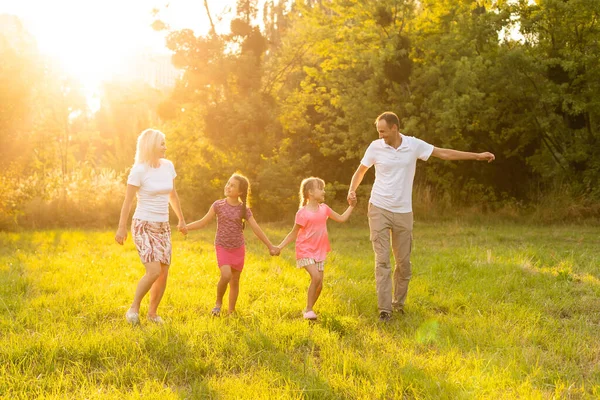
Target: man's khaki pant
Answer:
pixel 384 225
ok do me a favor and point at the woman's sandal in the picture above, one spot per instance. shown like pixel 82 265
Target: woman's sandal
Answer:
pixel 215 312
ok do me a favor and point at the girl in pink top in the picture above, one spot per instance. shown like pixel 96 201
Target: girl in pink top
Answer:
pixel 310 232
pixel 232 213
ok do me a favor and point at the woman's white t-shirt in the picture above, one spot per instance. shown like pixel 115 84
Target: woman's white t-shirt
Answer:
pixel 155 185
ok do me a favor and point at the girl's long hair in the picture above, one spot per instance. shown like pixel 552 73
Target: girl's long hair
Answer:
pixel 244 186
pixel 147 144
pixel 308 184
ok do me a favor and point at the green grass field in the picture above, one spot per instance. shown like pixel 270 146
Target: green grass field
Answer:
pixel 494 312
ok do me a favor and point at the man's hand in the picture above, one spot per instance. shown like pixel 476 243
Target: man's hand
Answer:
pixel 351 198
pixel 487 156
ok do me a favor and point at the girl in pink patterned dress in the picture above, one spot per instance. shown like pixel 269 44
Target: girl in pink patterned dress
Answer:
pixel 232 213
pixel 151 179
pixel 312 241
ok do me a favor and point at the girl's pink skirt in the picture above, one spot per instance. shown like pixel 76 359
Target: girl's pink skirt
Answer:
pixel 152 240
pixel 232 257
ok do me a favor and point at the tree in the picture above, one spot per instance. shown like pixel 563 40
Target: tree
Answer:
pixel 21 71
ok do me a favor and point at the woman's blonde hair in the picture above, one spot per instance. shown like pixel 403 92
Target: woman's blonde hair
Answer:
pixel 308 184
pixel 147 144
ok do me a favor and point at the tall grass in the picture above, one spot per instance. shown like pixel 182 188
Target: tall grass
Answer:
pixel 84 197
pixel 88 197
pixel 501 311
pixel 560 203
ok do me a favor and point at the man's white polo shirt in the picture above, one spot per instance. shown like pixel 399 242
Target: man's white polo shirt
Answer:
pixel 395 171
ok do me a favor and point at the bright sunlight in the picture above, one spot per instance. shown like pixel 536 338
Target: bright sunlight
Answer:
pixel 97 41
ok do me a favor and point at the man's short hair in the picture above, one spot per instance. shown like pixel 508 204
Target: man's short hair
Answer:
pixel 390 118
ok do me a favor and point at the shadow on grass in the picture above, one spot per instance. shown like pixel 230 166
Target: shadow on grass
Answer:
pixel 300 374
pixel 191 363
pixel 14 285
pixel 13 290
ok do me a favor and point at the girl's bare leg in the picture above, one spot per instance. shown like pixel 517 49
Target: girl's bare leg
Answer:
pixel 234 289
pixel 222 285
pixel 315 287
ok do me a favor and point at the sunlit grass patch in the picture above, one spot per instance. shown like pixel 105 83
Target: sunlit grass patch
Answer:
pixel 504 311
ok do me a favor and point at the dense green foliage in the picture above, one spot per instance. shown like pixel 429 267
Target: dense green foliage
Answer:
pixel 296 94
pixel 494 312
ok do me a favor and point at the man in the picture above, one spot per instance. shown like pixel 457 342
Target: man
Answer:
pixel 390 206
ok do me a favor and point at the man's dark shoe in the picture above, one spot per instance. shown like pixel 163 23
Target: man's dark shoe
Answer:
pixel 385 316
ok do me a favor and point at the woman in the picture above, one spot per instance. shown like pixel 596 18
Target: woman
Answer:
pixel 152 179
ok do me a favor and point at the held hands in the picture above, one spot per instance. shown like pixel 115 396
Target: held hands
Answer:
pixel 487 156
pixel 121 235
pixel 274 250
pixel 182 227
pixel 352 198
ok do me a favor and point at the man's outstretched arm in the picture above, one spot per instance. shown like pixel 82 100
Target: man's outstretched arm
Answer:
pixel 452 155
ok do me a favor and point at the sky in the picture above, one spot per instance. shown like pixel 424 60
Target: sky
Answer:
pixel 91 39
